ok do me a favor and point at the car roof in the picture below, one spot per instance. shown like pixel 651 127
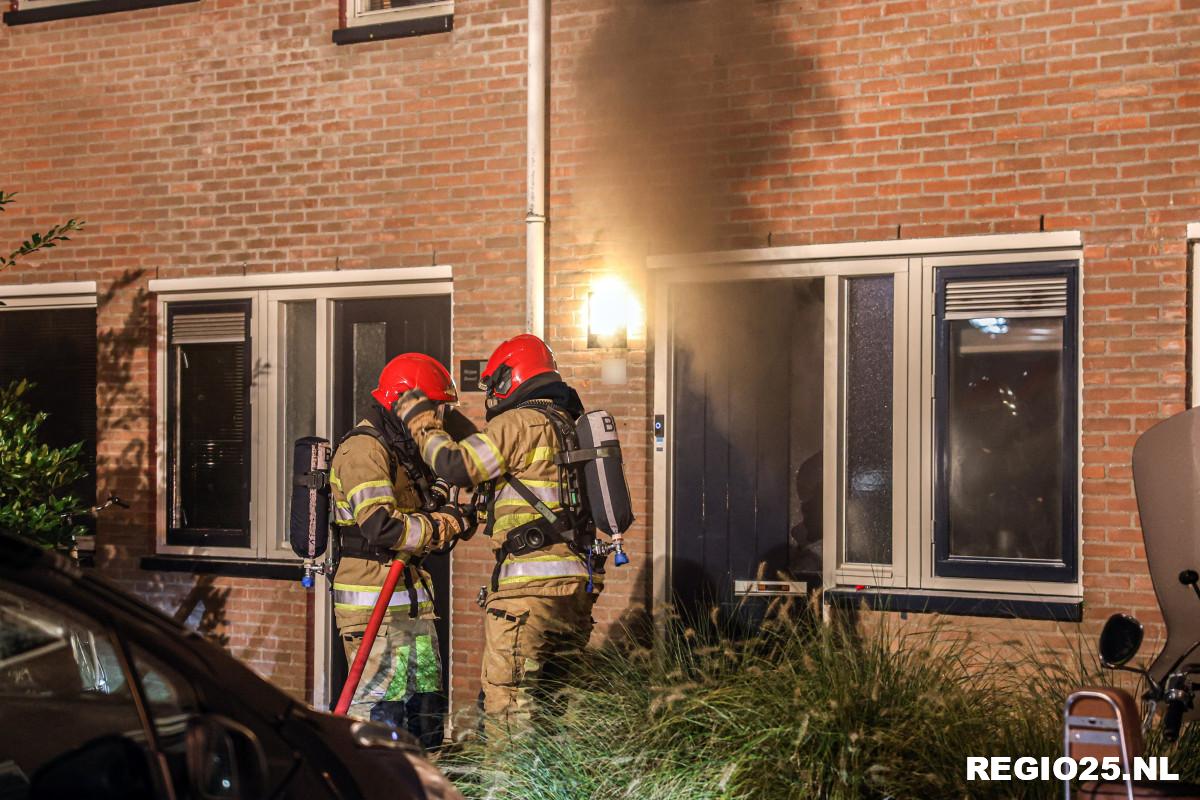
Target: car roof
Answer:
pixel 21 555
pixel 16 552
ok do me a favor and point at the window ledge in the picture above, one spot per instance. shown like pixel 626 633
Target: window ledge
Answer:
pixel 84 8
pixel 272 570
pixel 1064 609
pixel 394 30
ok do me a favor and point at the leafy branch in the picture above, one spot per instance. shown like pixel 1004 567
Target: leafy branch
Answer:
pixel 38 241
pixel 37 498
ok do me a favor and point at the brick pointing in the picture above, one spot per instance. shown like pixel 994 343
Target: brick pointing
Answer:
pixel 226 137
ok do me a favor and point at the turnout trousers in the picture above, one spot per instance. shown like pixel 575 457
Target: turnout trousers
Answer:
pixel 402 682
pixel 530 647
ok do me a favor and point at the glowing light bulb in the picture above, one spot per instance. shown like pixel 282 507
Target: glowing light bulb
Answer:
pixel 610 309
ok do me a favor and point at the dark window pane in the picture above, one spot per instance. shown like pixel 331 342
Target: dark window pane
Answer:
pixel 370 357
pixel 1005 438
pixel 56 350
pixel 209 425
pixel 868 409
pixel 1006 423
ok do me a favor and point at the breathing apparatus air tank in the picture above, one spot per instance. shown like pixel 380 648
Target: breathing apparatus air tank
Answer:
pixel 308 523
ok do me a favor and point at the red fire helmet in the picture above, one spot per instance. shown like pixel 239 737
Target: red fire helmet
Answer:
pixel 415 371
pixel 514 362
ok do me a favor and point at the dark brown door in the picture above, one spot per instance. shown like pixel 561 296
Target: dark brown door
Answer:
pixel 368 334
pixel 747 435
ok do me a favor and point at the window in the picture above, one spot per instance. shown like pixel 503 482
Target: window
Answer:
pixel 372 20
pixel 246 367
pixel 48 337
pixel 867 449
pixel 923 417
pixel 208 424
pixel 27 11
pixel 1005 423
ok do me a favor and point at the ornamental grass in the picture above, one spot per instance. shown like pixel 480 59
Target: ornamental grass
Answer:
pixel 802 708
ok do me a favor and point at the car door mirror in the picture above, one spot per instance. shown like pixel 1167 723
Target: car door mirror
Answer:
pixel 1120 640
pixel 225 760
pixel 107 768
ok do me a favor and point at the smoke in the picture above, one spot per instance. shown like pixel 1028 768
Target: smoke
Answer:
pixel 694 116
pixel 690 121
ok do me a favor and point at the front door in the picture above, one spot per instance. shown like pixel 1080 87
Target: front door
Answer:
pixel 366 335
pixel 747 404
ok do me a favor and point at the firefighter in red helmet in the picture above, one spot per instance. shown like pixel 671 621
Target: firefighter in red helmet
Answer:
pixel 538 607
pixel 385 507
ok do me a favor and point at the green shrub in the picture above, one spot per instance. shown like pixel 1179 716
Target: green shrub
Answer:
pixel 35 479
pixel 801 710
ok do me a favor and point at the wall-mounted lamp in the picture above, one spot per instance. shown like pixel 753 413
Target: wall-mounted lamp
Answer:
pixel 610 307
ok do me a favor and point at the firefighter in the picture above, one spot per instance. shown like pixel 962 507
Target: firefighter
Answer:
pixel 385 509
pixel 538 609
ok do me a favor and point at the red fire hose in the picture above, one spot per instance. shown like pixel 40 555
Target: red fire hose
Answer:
pixel 368 640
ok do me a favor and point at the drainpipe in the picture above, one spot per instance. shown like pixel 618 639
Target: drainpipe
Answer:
pixel 535 207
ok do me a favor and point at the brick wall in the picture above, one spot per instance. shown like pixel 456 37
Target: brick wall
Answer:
pixel 225 137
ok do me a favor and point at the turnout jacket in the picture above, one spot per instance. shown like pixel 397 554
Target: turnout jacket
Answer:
pixel 381 503
pixel 520 442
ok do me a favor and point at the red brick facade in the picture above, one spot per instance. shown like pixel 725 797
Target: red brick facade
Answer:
pixel 225 137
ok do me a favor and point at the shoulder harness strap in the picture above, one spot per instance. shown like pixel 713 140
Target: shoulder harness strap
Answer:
pixel 396 459
pixel 377 435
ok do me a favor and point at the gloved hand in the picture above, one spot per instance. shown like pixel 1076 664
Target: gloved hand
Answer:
pixel 451 524
pixel 470 514
pixel 417 412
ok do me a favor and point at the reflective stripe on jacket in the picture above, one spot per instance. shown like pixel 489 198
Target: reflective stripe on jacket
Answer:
pixel 353 597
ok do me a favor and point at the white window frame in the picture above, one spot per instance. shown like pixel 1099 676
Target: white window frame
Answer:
pixel 266 293
pixel 924 544
pixel 357 16
pixel 914 264
pixel 70 294
pixel 50 296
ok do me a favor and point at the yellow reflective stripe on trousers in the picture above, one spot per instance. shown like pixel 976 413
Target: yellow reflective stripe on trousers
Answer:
pixel 541 568
pixel 363 598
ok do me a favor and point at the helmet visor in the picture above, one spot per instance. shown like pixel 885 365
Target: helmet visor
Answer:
pixel 498 383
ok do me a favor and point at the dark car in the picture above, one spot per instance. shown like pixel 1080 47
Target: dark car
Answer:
pixel 102 696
